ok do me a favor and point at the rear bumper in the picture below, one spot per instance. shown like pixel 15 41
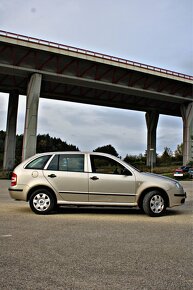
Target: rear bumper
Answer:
pixel 17 193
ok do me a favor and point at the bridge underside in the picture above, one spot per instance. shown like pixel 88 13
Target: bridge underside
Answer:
pixel 94 94
pixel 91 80
pixel 36 70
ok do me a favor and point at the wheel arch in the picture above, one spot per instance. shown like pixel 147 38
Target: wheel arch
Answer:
pixel 145 191
pixel 41 187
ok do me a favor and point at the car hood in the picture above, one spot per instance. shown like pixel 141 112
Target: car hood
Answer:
pixel 157 176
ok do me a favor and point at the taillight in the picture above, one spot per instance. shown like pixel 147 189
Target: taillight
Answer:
pixel 13 179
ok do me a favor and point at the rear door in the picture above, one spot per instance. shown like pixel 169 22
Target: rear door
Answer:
pixel 110 181
pixel 66 174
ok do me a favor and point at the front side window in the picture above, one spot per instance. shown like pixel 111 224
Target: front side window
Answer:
pixel 67 162
pixel 38 163
pixel 105 165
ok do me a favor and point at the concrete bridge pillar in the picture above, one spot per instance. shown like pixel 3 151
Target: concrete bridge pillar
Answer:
pixel 187 116
pixel 30 130
pixel 10 138
pixel 151 122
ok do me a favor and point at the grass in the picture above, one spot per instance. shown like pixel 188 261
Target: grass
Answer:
pixel 164 170
pixel 169 172
pixel 5 174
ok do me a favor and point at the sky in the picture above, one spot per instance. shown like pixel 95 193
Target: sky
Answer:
pixel 158 33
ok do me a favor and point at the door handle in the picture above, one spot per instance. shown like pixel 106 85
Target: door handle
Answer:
pixel 94 178
pixel 52 175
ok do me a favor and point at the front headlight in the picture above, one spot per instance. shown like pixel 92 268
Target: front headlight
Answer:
pixel 177 184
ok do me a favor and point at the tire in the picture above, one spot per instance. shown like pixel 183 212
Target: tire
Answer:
pixel 154 204
pixel 42 201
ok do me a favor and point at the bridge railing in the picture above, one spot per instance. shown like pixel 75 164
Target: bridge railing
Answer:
pixel 94 54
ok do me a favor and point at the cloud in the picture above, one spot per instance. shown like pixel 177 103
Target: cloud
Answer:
pixel 89 126
pixel 169 133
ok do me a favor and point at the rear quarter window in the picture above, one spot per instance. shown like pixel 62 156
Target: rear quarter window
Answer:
pixel 38 163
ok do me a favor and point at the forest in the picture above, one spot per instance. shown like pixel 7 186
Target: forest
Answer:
pixel 46 143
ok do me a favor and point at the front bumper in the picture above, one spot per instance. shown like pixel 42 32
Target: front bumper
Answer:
pixel 183 196
pixel 177 196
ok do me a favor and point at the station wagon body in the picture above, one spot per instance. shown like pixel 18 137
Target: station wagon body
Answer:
pixel 52 179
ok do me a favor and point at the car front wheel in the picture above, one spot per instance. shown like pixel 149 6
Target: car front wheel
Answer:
pixel 154 203
pixel 42 201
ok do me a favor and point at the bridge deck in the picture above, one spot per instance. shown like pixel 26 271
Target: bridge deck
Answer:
pixel 79 75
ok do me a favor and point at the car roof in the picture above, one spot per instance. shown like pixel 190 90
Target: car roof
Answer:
pixel 69 152
pixel 72 152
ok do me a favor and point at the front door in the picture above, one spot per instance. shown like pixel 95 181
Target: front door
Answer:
pixel 109 182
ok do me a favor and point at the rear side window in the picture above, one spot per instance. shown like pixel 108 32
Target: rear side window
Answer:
pixel 38 163
pixel 67 162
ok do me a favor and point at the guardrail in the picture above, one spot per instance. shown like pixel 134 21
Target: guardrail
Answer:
pixel 94 54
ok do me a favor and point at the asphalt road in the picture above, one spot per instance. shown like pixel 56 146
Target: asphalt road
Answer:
pixel 88 248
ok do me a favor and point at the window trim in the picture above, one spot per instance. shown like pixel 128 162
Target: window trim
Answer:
pixel 66 154
pixel 38 157
pixel 92 156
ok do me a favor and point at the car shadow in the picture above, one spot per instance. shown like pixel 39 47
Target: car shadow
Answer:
pixel 98 210
pixel 75 210
pixel 93 210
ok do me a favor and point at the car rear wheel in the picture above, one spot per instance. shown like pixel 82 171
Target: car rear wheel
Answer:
pixel 42 201
pixel 154 203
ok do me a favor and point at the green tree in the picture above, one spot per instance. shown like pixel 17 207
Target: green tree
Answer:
pixel 179 152
pixel 45 143
pixel 136 160
pixel 18 151
pixel 2 141
pixel 107 149
pixel 166 156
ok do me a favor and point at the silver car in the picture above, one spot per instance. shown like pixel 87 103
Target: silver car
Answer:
pixel 52 179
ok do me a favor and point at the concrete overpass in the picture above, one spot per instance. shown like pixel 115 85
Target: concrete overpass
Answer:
pixel 38 68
